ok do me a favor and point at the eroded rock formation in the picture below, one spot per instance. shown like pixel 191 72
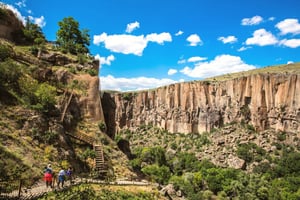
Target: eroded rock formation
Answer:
pixel 269 100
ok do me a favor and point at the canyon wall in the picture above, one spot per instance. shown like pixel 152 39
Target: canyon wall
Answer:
pixel 269 100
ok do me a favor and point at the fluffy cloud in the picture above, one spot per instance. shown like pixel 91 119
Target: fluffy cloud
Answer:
pixel 40 21
pixel 196 59
pixel 126 84
pixel 179 33
pixel 105 60
pixel 289 26
pixel 292 43
pixel 159 38
pixel 252 21
pixel 132 26
pixel 130 44
pixel 222 64
pixel 172 71
pixel 262 37
pixel 194 40
pixel 126 44
pixel 228 39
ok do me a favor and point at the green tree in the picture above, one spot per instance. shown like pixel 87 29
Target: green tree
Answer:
pixel 70 38
pixel 33 33
pixel 160 174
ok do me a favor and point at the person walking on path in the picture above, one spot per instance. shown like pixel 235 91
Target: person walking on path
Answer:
pixel 61 178
pixel 69 174
pixel 48 175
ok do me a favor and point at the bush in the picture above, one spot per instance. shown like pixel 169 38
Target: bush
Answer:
pixel 10 72
pixel 159 174
pixel 5 52
pixel 46 97
pixel 92 72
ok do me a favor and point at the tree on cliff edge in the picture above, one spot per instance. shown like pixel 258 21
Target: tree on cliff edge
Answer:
pixel 70 38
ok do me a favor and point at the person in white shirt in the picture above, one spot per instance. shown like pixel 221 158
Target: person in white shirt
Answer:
pixel 61 178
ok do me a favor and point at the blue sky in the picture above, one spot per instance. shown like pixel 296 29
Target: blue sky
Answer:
pixel 145 44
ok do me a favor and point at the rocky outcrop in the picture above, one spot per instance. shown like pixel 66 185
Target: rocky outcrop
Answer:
pixel 90 103
pixel 86 103
pixel 269 100
pixel 10 26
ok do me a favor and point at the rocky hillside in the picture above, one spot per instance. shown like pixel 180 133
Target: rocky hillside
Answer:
pixel 264 98
pixel 46 96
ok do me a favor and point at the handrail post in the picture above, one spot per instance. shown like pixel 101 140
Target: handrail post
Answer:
pixel 20 187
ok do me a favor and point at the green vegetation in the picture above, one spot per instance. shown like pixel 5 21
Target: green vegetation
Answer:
pixel 70 39
pixel 33 33
pixel 197 179
pixel 288 68
pixel 176 163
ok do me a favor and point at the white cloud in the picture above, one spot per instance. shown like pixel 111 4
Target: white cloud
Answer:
pixel 40 21
pixel 159 38
pixel 196 59
pixel 172 71
pixel 130 44
pixel 271 18
pixel 126 44
pixel 194 40
pixel 126 84
pixel 243 49
pixel 105 60
pixel 262 37
pixel 222 64
pixel 132 26
pixel 16 12
pixel 289 26
pixel 179 33
pixel 252 21
pixel 181 61
pixel 21 4
pixel 292 43
pixel 290 62
pixel 228 39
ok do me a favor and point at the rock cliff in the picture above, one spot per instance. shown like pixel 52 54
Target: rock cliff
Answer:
pixel 264 99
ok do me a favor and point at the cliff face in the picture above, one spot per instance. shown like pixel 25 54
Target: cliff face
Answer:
pixel 86 104
pixel 263 100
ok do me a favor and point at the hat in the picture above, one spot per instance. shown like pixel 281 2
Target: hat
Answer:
pixel 49 165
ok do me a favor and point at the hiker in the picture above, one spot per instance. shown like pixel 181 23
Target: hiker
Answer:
pixel 61 178
pixel 48 175
pixel 69 174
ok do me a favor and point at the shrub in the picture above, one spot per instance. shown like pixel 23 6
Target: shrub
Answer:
pixel 281 136
pixel 160 174
pixel 92 72
pixel 46 97
pixel 102 126
pixel 5 52
pixel 88 153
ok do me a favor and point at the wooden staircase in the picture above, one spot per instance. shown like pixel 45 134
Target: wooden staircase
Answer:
pixel 101 166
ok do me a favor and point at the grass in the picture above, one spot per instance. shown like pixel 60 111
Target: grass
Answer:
pixel 288 68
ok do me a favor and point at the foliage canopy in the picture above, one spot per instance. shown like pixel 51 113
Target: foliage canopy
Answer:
pixel 70 38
